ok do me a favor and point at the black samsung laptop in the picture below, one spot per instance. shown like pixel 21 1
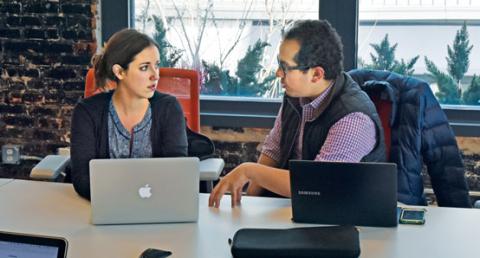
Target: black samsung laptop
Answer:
pixel 361 194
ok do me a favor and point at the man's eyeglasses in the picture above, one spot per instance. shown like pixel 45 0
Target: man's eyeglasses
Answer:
pixel 285 68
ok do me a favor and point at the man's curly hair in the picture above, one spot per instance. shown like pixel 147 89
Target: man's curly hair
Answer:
pixel 320 45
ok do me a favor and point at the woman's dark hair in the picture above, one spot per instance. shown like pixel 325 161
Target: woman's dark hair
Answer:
pixel 120 49
pixel 320 45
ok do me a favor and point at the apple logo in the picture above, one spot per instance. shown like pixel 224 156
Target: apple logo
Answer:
pixel 145 192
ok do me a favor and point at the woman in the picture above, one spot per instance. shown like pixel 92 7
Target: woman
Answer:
pixel 134 120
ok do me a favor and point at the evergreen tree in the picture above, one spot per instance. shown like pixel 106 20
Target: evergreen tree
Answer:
pixel 169 55
pixel 217 81
pixel 458 56
pixel 385 59
pixel 458 60
pixel 247 72
pixel 472 95
pixel 405 68
pixel 447 89
pixel 220 82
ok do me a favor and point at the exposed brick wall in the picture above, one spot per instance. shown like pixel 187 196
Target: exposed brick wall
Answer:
pixel 45 46
pixel 236 145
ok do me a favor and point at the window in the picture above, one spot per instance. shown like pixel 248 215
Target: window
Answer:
pixel 233 43
pixel 374 15
pixel 434 40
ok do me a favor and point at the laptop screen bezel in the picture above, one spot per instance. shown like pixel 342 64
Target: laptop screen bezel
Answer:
pixel 389 214
pixel 40 240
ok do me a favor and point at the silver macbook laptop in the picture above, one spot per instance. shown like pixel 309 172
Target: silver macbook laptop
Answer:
pixel 153 190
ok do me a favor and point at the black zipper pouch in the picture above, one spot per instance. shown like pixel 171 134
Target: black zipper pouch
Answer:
pixel 319 242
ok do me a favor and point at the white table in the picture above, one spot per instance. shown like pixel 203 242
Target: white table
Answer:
pixel 55 209
pixel 4 181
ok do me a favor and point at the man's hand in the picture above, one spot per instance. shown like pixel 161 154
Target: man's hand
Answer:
pixel 233 182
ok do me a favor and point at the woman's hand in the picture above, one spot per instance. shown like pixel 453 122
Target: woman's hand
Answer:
pixel 233 182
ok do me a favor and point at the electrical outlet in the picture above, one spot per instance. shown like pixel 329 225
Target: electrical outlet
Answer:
pixel 63 151
pixel 11 154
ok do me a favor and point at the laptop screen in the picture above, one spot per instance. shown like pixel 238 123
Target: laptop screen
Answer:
pixel 12 249
pixel 23 245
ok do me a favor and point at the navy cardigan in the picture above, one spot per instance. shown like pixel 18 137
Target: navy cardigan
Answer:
pixel 89 134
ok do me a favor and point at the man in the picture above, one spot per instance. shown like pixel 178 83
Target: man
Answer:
pixel 325 116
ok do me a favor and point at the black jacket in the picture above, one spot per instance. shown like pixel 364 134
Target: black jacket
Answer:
pixel 420 134
pixel 89 134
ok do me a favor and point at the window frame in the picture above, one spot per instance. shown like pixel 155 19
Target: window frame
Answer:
pixel 219 111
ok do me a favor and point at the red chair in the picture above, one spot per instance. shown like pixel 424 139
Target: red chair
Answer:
pixel 384 110
pixel 185 85
pixel 181 83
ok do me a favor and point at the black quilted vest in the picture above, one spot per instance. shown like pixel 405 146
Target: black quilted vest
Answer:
pixel 345 97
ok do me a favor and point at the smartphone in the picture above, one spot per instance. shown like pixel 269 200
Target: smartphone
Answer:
pixel 413 216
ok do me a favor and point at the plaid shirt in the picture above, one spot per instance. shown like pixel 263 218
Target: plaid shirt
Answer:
pixel 348 140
